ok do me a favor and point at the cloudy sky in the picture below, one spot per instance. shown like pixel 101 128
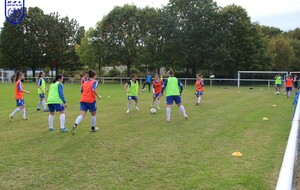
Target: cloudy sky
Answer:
pixel 284 14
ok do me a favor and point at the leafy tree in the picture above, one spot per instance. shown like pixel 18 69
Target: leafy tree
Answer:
pixel 119 32
pixel 282 51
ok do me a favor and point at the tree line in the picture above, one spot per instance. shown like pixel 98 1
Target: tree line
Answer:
pixel 189 36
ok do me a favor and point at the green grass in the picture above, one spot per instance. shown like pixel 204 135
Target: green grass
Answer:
pixel 140 150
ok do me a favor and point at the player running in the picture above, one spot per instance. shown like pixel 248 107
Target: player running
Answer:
pixel 56 102
pixel 157 86
pixel 19 96
pixel 199 88
pixel 41 84
pixel 88 101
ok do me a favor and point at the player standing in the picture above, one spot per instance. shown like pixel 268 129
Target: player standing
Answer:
pixel 56 102
pixel 41 84
pixel 173 89
pixel 19 96
pixel 199 88
pixel 157 86
pixel 289 86
pixel 88 101
pixel 132 89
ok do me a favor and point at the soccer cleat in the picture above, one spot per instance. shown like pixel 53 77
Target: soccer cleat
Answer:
pixel 95 129
pixel 137 109
pixel 74 129
pixel 64 129
pixel 51 129
pixel 46 110
pixel 26 118
pixel 38 109
pixel 10 118
pixel 158 107
pixel 186 117
pixel 127 111
pixel 197 104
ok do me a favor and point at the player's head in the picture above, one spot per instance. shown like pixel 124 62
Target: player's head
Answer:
pixel 41 74
pixel 171 73
pixel 84 75
pixel 92 74
pixel 58 78
pixel 156 76
pixel 133 77
pixel 18 76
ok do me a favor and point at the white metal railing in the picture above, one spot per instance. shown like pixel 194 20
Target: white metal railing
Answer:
pixel 285 179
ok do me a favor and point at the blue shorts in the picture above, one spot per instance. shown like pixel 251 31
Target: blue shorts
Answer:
pixel 199 93
pixel 132 98
pixel 20 102
pixel 156 95
pixel 42 95
pixel 56 107
pixel 278 85
pixel 289 88
pixel 171 99
pixel 84 106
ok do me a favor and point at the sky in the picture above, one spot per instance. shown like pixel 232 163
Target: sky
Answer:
pixel 283 14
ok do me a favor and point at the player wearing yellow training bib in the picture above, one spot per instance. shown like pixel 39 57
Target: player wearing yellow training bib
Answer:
pixel 173 89
pixel 41 84
pixel 132 89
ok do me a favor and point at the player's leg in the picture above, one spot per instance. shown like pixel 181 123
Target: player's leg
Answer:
pixel 93 121
pixel 62 119
pixel 181 107
pixel 136 103
pixel 51 117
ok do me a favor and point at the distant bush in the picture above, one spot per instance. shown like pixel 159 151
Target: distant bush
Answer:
pixel 114 73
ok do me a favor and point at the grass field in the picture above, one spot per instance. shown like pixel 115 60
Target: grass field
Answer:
pixel 140 150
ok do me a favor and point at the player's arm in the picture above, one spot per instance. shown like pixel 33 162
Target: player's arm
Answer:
pixel 165 83
pixel 126 86
pixel 21 89
pixel 180 86
pixel 94 89
pixel 61 94
pixel 39 85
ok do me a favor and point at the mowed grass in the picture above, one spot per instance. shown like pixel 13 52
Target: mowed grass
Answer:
pixel 140 150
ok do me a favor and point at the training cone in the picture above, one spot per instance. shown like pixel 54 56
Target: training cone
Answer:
pixel 237 154
pixel 265 118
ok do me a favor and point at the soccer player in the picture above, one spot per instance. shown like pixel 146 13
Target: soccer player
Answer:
pixel 56 102
pixel 173 89
pixel 289 86
pixel 132 88
pixel 148 81
pixel 278 82
pixel 157 86
pixel 199 88
pixel 88 101
pixel 41 84
pixel 19 96
pixel 296 82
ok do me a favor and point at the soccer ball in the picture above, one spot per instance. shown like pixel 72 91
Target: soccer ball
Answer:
pixel 212 76
pixel 152 110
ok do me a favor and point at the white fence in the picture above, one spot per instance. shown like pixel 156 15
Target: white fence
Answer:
pixel 288 177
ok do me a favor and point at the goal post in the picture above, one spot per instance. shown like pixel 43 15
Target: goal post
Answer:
pixel 258 72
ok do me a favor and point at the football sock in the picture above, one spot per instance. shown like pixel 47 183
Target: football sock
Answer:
pixel 128 106
pixel 182 110
pixel 23 113
pixel 39 104
pixel 62 120
pixel 93 121
pixel 14 112
pixel 78 120
pixel 199 99
pixel 44 104
pixel 50 120
pixel 168 111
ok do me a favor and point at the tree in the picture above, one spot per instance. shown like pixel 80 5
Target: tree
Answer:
pixel 119 32
pixel 282 51
pixel 243 45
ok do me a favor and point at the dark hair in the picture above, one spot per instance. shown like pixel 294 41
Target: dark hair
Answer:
pixel 133 76
pixel 57 78
pixel 91 73
pixel 171 72
pixel 17 75
pixel 40 74
pixel 82 74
